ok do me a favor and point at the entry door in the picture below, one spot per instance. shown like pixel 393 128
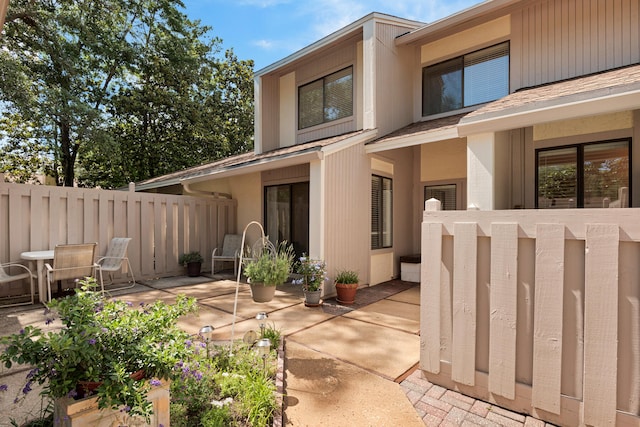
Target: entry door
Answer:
pixel 287 215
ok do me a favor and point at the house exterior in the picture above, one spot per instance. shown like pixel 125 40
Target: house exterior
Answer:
pixel 522 117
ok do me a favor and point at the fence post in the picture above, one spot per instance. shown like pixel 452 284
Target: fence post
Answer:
pixel 433 205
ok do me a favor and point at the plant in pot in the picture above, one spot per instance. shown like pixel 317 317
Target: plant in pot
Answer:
pixel 346 286
pixel 193 262
pixel 313 274
pixel 106 344
pixel 269 269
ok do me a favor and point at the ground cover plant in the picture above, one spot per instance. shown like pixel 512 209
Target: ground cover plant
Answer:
pixel 225 389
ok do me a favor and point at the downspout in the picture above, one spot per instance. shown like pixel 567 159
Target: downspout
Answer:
pixel 215 194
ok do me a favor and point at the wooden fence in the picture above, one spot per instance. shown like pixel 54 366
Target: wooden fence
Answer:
pixel 536 311
pixel 37 217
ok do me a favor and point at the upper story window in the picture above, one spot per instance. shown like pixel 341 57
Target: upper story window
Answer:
pixel 467 80
pixel 326 99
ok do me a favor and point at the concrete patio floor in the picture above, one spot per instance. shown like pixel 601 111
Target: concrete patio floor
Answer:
pixel 344 366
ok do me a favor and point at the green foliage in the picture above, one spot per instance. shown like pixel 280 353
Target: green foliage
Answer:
pixel 273 335
pixel 226 390
pixel 132 90
pixel 347 277
pixel 270 268
pixel 190 257
pixel 103 340
pixel 313 271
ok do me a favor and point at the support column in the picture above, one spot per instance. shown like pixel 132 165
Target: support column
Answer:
pixel 316 208
pixel 481 171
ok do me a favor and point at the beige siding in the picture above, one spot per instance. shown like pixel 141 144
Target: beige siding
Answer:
pixel 555 327
pixel 162 226
pixel 559 39
pixel 393 88
pixel 347 213
pixel 269 110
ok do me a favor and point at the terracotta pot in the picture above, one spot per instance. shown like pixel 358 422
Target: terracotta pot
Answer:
pixel 261 292
pixel 346 293
pixel 193 269
pixel 88 388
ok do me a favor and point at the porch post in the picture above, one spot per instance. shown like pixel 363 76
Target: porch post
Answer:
pixel 316 208
pixel 481 171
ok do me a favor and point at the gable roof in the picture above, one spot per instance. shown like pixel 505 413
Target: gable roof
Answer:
pixel 252 162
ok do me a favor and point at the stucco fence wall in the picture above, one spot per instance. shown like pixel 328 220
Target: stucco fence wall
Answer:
pixel 162 227
pixel 537 311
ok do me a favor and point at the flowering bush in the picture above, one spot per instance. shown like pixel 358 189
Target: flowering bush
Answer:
pixel 313 272
pixel 104 341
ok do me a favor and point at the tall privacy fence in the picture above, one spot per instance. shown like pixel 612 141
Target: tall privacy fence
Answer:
pixel 536 311
pixel 162 227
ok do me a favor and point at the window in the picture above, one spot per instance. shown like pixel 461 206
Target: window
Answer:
pixel 381 212
pixel 445 193
pixel 326 99
pixel 287 215
pixel 594 175
pixel 467 80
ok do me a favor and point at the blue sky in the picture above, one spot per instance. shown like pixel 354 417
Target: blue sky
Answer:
pixel 269 30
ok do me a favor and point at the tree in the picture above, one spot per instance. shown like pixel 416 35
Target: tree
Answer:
pixel 112 86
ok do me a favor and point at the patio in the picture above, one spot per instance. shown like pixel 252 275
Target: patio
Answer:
pixel 344 366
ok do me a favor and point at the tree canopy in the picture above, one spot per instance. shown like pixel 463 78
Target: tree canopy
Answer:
pixel 104 93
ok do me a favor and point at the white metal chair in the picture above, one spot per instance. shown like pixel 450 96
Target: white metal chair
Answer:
pixel 230 252
pixel 73 261
pixel 114 260
pixel 24 273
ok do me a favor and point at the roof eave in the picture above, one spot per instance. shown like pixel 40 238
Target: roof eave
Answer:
pixel 458 18
pixel 332 38
pixel 257 166
pixel 413 139
pixel 550 113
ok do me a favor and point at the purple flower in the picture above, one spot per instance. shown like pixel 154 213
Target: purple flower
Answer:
pixel 92 341
pixel 126 409
pixel 72 394
pixel 129 303
pixel 141 303
pixel 27 388
pixel 32 373
pixel 4 387
pixel 154 382
pixel 21 331
pixel 197 375
pixel 48 321
pixel 188 343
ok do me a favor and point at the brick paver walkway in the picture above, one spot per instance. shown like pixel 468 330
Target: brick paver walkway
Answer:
pixel 446 408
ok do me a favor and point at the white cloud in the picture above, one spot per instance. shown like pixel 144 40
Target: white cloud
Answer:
pixel 263 44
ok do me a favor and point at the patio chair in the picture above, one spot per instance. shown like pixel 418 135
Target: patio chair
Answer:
pixel 114 260
pixel 24 273
pixel 73 261
pixel 230 252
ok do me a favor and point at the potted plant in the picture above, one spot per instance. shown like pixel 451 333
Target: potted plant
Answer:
pixel 313 274
pixel 346 286
pixel 193 262
pixel 268 270
pixel 105 342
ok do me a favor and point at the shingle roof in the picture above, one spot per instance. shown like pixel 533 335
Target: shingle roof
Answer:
pixel 245 159
pixel 424 127
pixel 581 88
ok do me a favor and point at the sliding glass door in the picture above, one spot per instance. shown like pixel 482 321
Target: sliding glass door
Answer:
pixel 287 214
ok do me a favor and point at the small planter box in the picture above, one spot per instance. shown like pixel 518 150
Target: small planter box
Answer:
pixel 85 412
pixel 410 268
